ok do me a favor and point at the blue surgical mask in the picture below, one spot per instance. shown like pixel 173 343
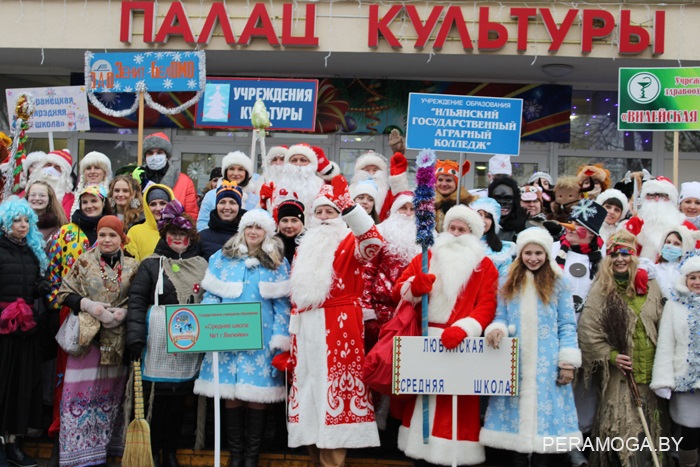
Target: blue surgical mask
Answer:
pixel 671 253
pixel 156 161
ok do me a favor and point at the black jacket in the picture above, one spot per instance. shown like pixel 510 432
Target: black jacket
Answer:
pixel 142 289
pixel 19 272
pixel 219 232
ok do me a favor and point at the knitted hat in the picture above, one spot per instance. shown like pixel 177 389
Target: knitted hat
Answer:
pixel 500 164
pixel 401 199
pixel 449 167
pixel 98 159
pixel 690 190
pixel 324 198
pixel 36 157
pixel 158 141
pixel 468 215
pixel 660 185
pixel 289 208
pixel 215 173
pixel 622 241
pixel 229 190
pixel 541 237
pixel 589 214
pixel 275 151
pixel 62 158
pixel 365 187
pixel 258 217
pixel 115 224
pixel 538 175
pixel 157 193
pixel 530 193
pixel 614 194
pixel 491 206
pixel 237 158
pixel 371 158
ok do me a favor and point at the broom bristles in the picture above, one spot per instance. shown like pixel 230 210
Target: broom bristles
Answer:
pixel 137 451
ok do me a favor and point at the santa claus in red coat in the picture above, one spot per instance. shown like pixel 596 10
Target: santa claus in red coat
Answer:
pixel 329 405
pixel 657 215
pixel 462 284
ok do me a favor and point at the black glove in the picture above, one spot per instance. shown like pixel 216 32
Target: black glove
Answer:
pixel 555 229
pixel 136 351
pixel 43 286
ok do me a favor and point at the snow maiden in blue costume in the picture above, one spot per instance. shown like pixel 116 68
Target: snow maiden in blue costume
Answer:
pixel 535 305
pixel 499 251
pixel 249 268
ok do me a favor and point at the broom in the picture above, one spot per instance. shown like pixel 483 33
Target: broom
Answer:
pixel 137 452
pixel 614 322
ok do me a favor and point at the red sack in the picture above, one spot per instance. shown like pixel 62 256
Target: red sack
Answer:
pixel 16 316
pixel 378 362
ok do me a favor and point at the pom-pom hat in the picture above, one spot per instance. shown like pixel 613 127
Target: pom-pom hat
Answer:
pixel 229 190
pixel 468 216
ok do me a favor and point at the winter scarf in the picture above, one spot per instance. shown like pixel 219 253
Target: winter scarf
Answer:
pixel 592 250
pixel 290 246
pixel 219 225
pixel 87 224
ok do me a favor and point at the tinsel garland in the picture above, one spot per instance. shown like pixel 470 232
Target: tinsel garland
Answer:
pixel 24 109
pixel 141 87
pixel 424 198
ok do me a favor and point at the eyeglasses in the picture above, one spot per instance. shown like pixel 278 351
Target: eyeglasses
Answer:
pixel 663 196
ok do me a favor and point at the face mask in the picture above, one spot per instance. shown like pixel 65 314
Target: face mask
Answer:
pixel 671 253
pixel 156 161
pixel 51 171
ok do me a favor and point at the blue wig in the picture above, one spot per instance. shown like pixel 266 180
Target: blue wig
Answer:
pixel 14 207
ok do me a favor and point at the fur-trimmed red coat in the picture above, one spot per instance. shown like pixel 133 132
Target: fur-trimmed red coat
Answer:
pixel 474 309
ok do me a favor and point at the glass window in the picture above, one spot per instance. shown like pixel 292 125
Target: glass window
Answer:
pixel 348 156
pixel 42 144
pixel 120 153
pixel 688 141
pixel 594 125
pixel 198 166
pixel 618 167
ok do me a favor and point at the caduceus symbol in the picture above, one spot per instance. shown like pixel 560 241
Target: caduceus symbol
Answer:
pixel 644 83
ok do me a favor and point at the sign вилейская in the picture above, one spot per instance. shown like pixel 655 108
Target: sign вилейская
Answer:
pixel 468 124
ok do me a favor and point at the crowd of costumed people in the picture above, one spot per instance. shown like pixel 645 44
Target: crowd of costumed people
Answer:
pixel 599 280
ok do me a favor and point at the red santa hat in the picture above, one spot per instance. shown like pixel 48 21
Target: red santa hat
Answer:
pixel 468 216
pixel 32 158
pixel 401 199
pixel 324 198
pixel 661 185
pixel 275 151
pixel 62 158
pixel 237 158
pixel 371 158
pixel 541 237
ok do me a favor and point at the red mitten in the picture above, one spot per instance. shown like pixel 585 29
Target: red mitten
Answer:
pixel 324 165
pixel 452 336
pixel 398 164
pixel 282 361
pixel 634 225
pixel 266 191
pixel 341 195
pixel 641 282
pixel 422 284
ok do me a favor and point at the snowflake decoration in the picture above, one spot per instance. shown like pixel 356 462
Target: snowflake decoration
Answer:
pixel 192 84
pixel 82 118
pixel 584 210
pixel 159 55
pixel 109 98
pixel 148 54
pixel 167 83
pixel 138 59
pixel 117 86
pixel 128 89
pixel 177 57
pixel 531 109
pixel 89 55
pixel 426 158
pixel 50 92
pixel 141 86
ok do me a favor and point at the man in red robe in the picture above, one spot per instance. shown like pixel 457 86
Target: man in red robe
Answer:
pixel 329 405
pixel 462 284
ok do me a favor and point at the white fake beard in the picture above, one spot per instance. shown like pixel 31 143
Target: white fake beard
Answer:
pixel 658 218
pixel 312 274
pixel 380 177
pixel 61 184
pixel 453 261
pixel 273 173
pixel 399 232
pixel 303 181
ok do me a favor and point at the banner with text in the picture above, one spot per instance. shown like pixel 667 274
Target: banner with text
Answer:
pixel 62 108
pixel 468 124
pixel 214 327
pixel 228 103
pixel 147 71
pixel 422 365
pixel 658 99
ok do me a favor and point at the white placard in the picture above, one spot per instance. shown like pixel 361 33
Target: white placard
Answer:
pixel 62 108
pixel 422 365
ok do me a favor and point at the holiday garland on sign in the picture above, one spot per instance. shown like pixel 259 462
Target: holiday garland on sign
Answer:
pixel 14 182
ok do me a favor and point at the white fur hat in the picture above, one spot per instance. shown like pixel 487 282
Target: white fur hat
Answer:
pixel 275 151
pixel 660 185
pixel 237 158
pixel 468 215
pixel 690 190
pixel 32 158
pixel 305 150
pixel 402 198
pixel 541 237
pixel 688 237
pixel 365 187
pixel 690 263
pixel 500 164
pixel 98 159
pixel 612 193
pixel 258 217
pixel 371 158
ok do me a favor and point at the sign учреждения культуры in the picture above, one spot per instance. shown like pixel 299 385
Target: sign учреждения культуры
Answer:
pixel 214 327
pixel 467 124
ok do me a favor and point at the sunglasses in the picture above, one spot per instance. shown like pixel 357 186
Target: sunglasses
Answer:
pixel 622 252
